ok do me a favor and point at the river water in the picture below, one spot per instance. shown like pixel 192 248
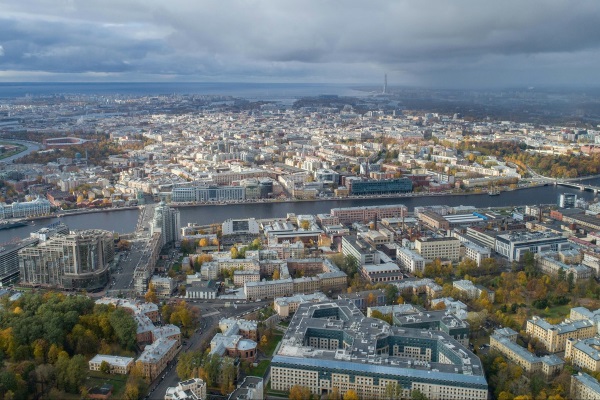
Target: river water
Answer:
pixel 124 221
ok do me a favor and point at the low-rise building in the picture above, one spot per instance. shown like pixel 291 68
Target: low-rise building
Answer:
pixel 163 286
pixel 117 364
pixel 251 388
pixel 191 389
pixel 202 290
pixel 285 306
pixel 418 286
pixel 473 291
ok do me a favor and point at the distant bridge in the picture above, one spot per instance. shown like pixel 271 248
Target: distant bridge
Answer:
pixel 579 186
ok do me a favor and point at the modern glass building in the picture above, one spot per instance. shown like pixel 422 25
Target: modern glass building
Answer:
pixel 385 186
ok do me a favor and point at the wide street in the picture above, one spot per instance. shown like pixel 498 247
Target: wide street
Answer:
pixel 210 314
pixel 122 275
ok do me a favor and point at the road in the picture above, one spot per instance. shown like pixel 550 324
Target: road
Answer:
pixel 31 147
pixel 122 275
pixel 210 314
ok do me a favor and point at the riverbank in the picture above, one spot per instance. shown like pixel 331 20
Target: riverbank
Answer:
pixel 75 212
pixel 350 198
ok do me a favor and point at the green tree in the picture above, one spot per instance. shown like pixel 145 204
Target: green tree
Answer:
pixel 105 367
pixel 417 395
pixel 125 328
pixel 391 294
pixel 393 391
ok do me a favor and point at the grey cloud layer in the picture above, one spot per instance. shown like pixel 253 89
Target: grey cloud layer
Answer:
pixel 423 42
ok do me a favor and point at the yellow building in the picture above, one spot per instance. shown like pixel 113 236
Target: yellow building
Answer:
pixel 554 337
pixel 584 353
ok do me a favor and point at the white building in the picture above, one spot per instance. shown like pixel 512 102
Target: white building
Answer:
pixel 117 364
pixel 191 389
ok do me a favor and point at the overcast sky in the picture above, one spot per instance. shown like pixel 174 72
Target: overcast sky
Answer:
pixel 439 43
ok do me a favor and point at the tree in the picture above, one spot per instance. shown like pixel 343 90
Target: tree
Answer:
pixel 391 294
pixel 131 391
pixel 234 252
pixel 298 392
pixel 417 395
pixel 276 274
pixel 264 341
pixel 203 242
pixel 228 375
pixel 105 367
pixel 334 394
pixel 125 328
pixel 393 391
pixel 350 395
pixel 371 300
pixel 150 295
pixel 305 224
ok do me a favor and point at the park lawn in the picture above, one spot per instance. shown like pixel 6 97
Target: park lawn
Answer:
pixel 284 323
pixel 260 369
pixel 270 347
pixel 97 378
pixel 555 311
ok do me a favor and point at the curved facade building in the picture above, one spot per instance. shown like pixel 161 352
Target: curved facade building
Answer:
pixel 76 261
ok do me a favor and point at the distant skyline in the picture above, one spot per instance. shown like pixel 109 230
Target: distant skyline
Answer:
pixel 430 43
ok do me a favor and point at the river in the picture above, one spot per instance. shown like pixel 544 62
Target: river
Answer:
pixel 124 221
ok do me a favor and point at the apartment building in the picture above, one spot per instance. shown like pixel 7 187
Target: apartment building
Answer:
pixel 410 260
pixel 269 289
pixel 77 261
pixel 504 341
pixel 241 277
pixel 155 357
pixel 584 387
pixel 550 264
pixel 584 353
pixel 312 354
pixel 555 337
pixel 25 209
pixel 447 248
pixel 118 365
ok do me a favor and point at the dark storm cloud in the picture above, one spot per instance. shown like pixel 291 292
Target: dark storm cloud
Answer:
pixel 423 42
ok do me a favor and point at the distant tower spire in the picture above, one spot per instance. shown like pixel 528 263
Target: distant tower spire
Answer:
pixel 385 84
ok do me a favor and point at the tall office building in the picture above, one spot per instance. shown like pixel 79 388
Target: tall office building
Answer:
pixel 79 260
pixel 166 221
